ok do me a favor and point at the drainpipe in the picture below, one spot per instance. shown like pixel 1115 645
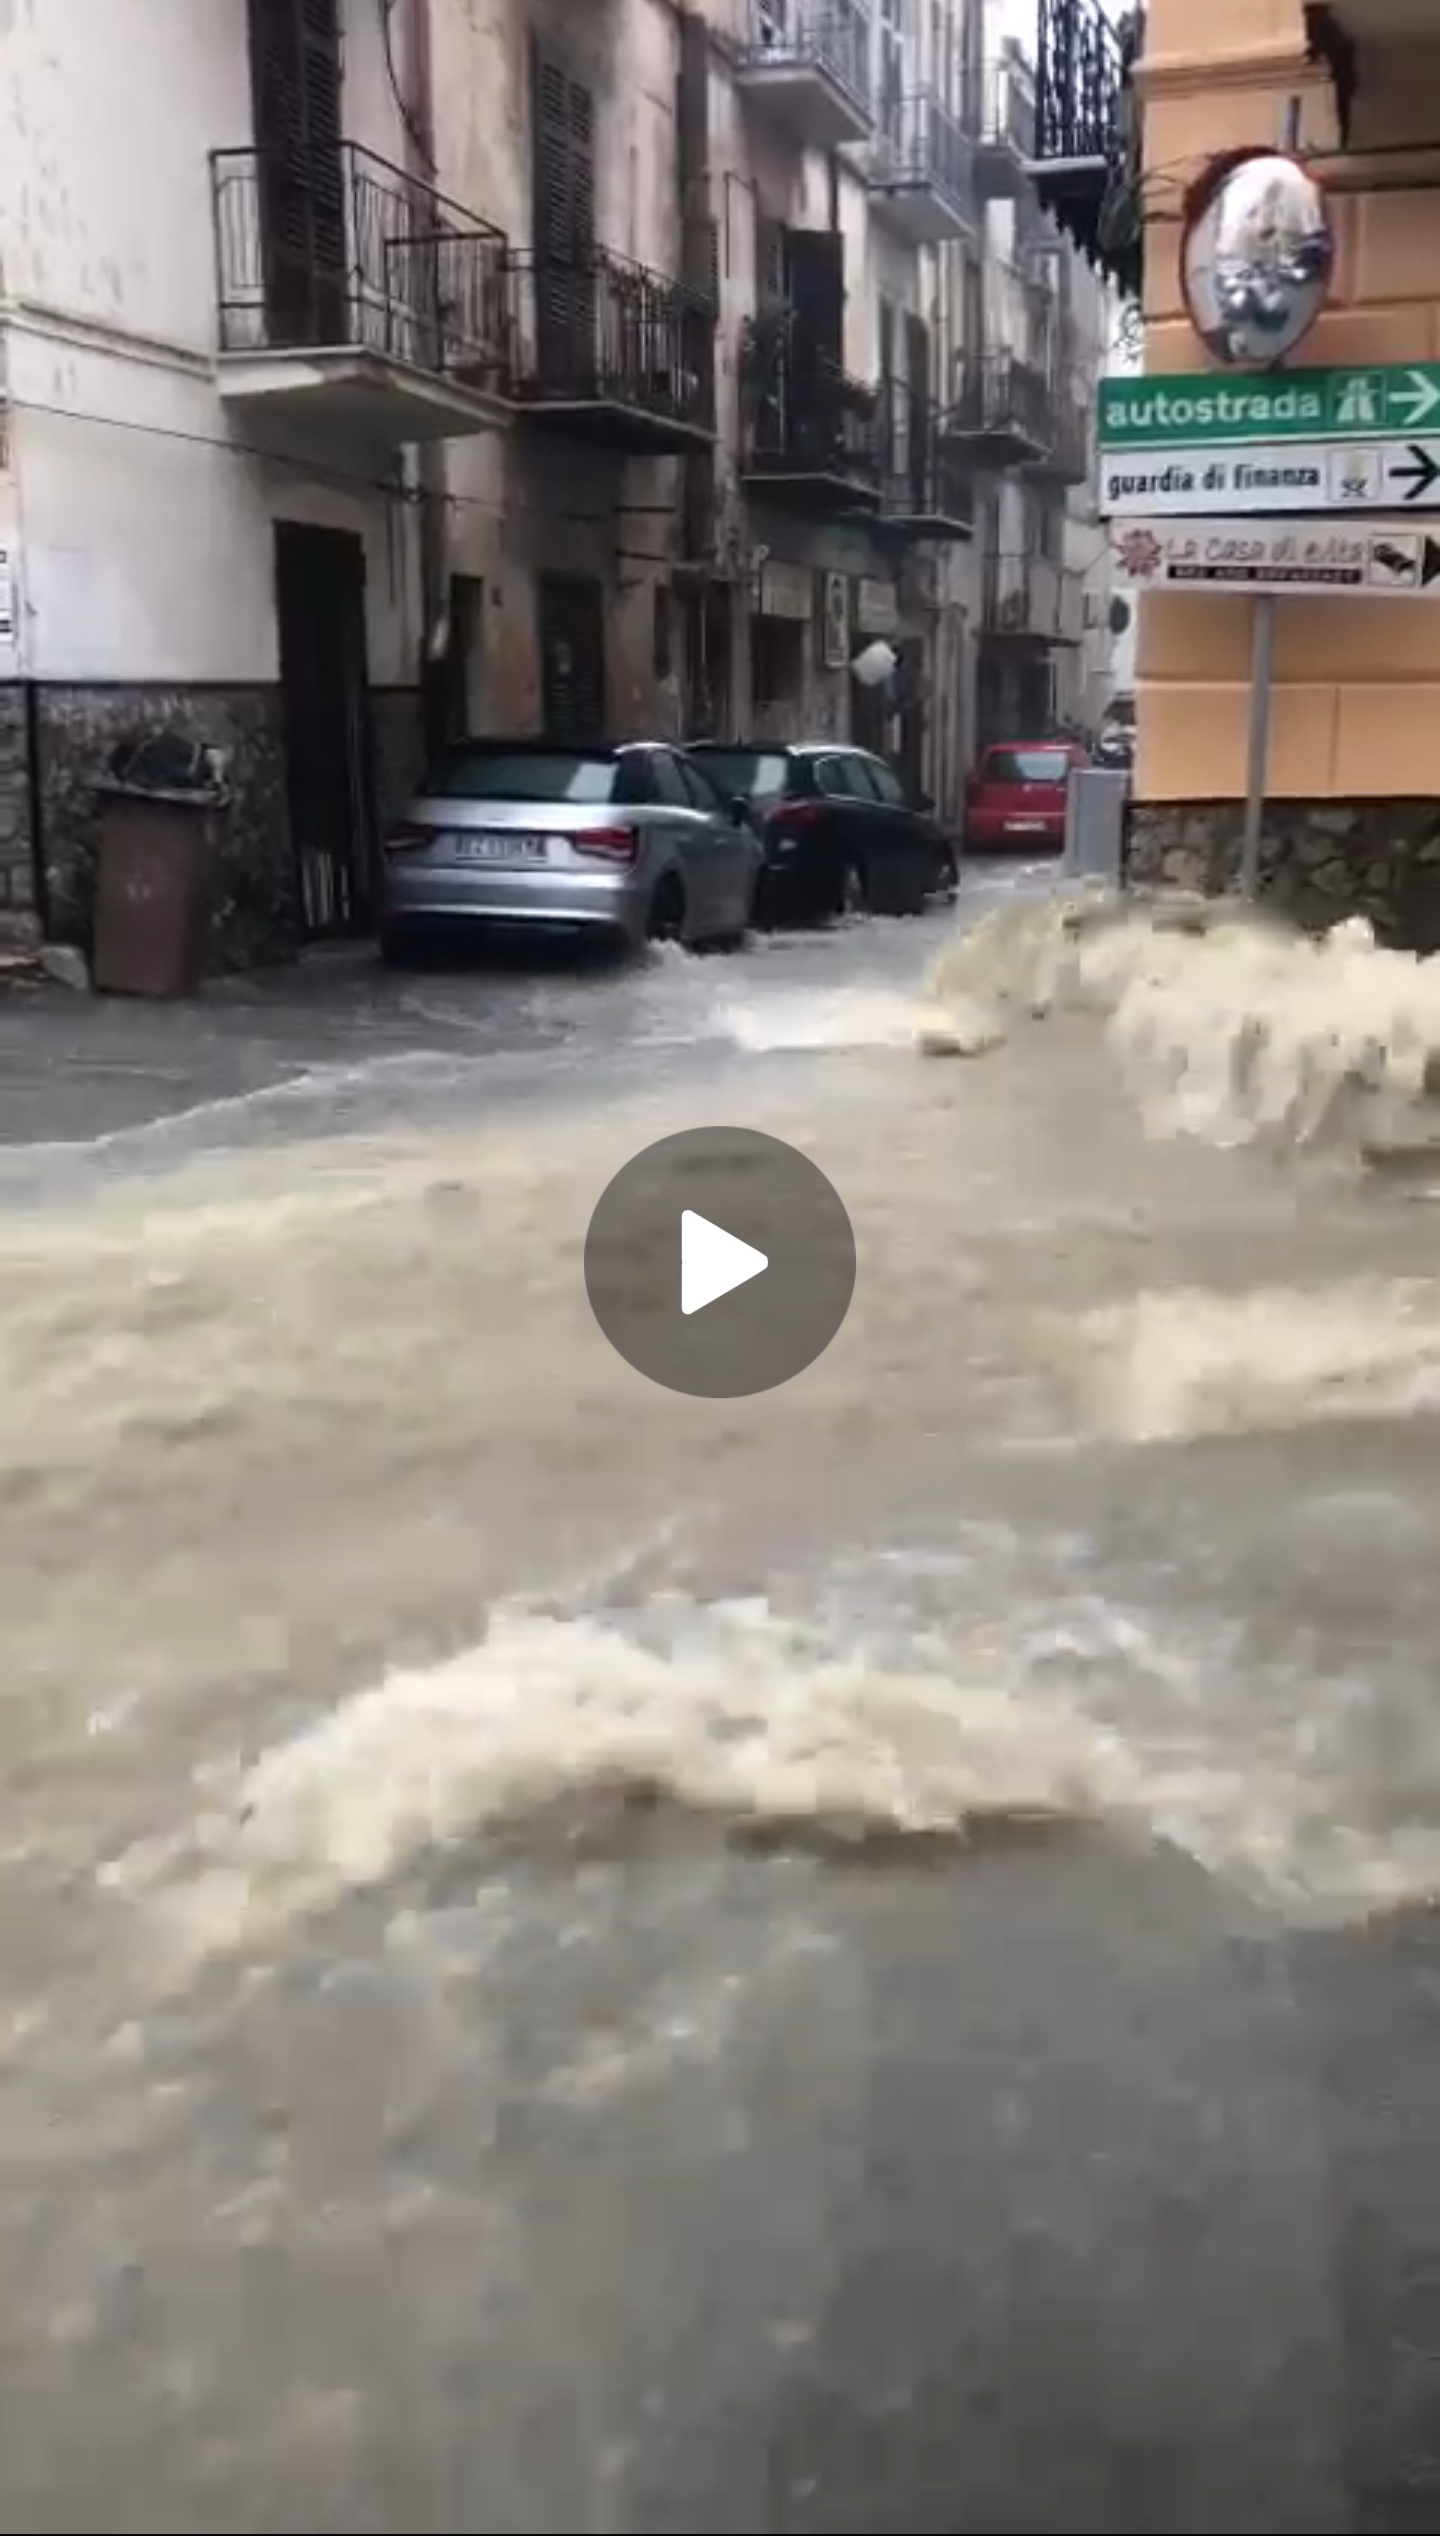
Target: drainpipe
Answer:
pixel 430 471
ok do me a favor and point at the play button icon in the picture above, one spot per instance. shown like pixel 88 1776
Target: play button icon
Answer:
pixel 720 1262
pixel 712 1262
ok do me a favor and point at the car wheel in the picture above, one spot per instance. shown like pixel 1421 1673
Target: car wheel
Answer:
pixel 397 947
pixel 853 897
pixel 949 883
pixel 764 903
pixel 665 921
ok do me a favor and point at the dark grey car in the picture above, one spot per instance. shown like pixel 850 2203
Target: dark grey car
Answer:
pixel 630 840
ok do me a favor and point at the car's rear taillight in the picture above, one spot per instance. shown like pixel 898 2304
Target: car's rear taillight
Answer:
pixel 796 814
pixel 405 838
pixel 613 845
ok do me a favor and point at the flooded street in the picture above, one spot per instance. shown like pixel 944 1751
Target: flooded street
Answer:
pixel 579 1958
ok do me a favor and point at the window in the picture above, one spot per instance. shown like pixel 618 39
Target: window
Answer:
pixel 635 780
pixel 295 100
pixel 669 783
pixel 884 782
pixel 563 147
pixel 759 775
pixel 1027 766
pixel 777 661
pixel 511 774
pixel 564 163
pixel 838 779
pixel 699 791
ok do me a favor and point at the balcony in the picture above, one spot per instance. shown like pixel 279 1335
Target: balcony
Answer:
pixel 810 435
pixel 1001 121
pixel 607 349
pixel 1086 134
pixel 920 170
pixel 1002 416
pixel 1028 600
pixel 352 297
pixel 1065 458
pixel 926 490
pixel 808 63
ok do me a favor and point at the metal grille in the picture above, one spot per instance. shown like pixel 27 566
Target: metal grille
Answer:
pixel 373 261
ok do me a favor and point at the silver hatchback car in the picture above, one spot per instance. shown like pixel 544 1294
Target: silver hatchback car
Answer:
pixel 632 841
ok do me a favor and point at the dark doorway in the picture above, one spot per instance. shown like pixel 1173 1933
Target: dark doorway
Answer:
pixel 572 657
pixel 299 170
pixel 324 705
pixel 706 634
pixel 910 697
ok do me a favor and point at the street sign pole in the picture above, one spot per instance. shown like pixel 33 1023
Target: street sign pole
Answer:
pixel 1262 688
pixel 1262 670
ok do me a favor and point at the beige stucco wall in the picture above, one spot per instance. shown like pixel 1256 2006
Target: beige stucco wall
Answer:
pixel 1357 704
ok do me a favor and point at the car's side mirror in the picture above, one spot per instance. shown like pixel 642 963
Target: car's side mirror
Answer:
pixel 740 810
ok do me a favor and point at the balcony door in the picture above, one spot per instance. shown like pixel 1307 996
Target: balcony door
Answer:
pixel 568 355
pixel 299 170
pixel 895 69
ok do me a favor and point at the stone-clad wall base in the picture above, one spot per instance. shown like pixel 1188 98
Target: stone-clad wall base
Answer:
pixel 1320 860
pixel 255 914
pixel 17 861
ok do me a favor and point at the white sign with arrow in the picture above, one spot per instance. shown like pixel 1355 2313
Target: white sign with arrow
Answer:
pixel 1329 558
pixel 1295 475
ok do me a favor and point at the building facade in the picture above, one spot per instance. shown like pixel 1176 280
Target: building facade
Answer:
pixel 375 370
pixel 1354 751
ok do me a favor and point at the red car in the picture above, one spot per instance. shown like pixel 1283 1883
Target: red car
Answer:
pixel 1015 800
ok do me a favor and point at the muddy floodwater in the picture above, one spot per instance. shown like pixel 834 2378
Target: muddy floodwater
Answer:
pixel 579 1958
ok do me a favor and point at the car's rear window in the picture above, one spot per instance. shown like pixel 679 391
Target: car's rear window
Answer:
pixel 756 773
pixel 482 774
pixel 1027 766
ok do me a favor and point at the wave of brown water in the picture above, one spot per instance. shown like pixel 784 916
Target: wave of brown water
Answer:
pixel 296 1446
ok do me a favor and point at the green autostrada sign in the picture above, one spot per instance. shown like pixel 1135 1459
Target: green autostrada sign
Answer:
pixel 1200 408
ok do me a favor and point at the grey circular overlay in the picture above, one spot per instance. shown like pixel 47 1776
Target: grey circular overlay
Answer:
pixel 678 1221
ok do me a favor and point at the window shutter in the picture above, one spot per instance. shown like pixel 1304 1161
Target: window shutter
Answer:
pixel 296 102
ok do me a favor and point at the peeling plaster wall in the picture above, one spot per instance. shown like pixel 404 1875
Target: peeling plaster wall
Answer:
pixel 143 518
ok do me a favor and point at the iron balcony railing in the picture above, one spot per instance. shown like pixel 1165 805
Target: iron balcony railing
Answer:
pixel 599 329
pixel 1079 80
pixel 1020 597
pixel 998 112
pixel 1087 138
pixel 923 476
pixel 1001 397
pixel 803 417
pixel 342 251
pixel 919 143
pixel 831 36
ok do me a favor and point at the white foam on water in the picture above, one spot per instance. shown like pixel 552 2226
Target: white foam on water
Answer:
pixel 1076 1710
pixel 1228 1024
pixel 821 1018
pixel 1188 1361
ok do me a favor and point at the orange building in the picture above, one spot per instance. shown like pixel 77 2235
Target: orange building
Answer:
pixel 1128 120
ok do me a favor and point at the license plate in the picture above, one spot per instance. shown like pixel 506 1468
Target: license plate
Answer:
pixel 498 845
pixel 1025 827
